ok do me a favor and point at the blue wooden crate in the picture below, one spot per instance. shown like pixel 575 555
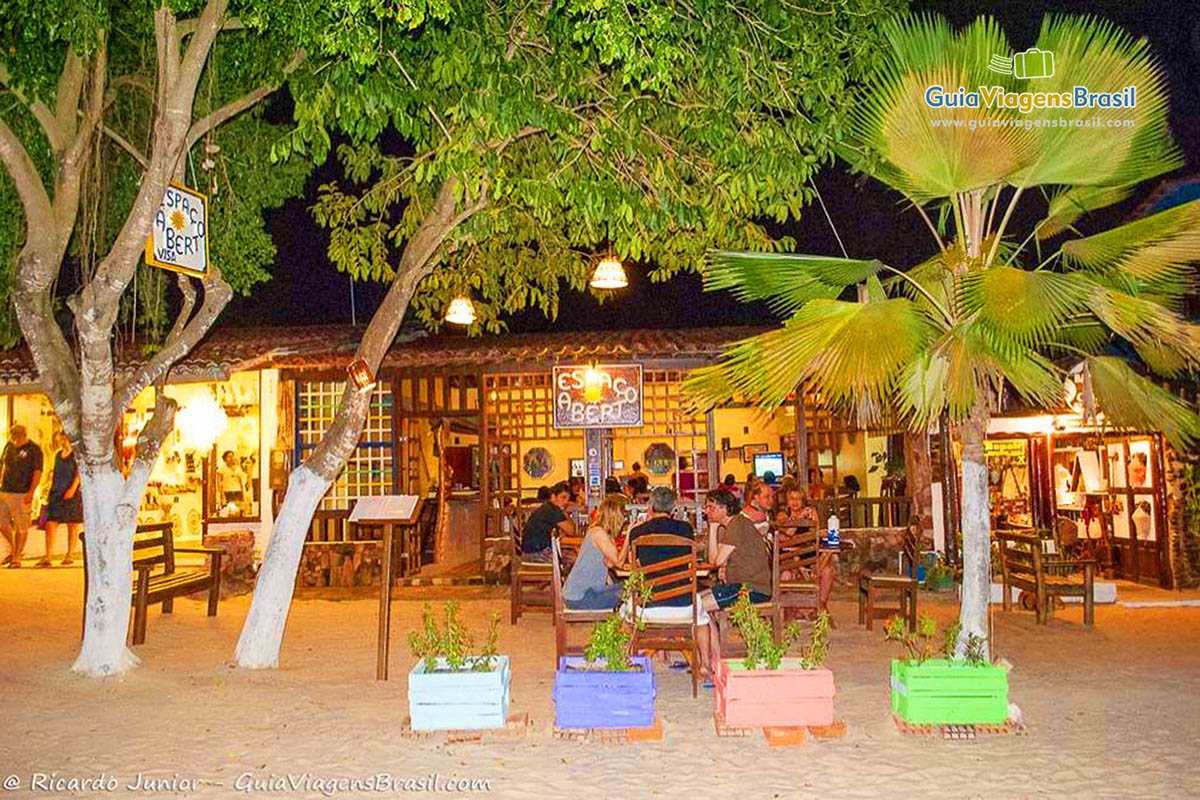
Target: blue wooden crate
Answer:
pixel 597 699
pixel 447 701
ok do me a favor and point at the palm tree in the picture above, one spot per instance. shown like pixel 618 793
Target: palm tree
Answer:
pixel 988 312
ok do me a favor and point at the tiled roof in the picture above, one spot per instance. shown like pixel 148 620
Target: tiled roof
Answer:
pixel 227 350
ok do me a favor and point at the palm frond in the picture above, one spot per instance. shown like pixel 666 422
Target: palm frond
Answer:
pixel 1100 150
pixel 1027 306
pixel 892 132
pixel 1072 202
pixel 1147 324
pixel 786 281
pixel 850 350
pixel 1131 401
pixel 1158 251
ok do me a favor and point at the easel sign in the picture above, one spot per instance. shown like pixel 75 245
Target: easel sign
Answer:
pixel 178 239
pixel 389 510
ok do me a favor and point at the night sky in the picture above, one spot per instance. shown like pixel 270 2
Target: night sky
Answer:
pixel 307 289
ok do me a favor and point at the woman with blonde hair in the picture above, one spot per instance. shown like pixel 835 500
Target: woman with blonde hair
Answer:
pixel 588 585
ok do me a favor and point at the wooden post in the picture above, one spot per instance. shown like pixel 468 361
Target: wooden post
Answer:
pixel 801 440
pixel 385 606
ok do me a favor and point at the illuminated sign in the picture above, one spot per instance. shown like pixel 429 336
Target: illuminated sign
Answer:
pixel 179 238
pixel 1006 448
pixel 598 396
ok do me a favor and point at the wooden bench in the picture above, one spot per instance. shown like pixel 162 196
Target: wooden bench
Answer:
pixel 1025 566
pixel 154 545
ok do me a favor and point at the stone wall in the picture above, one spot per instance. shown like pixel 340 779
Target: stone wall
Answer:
pixel 342 564
pixel 877 548
pixel 1183 517
pixel 237 560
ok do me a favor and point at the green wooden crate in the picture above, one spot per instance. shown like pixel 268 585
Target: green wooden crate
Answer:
pixel 949 692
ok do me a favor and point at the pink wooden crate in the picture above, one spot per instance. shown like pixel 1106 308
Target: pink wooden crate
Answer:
pixel 788 696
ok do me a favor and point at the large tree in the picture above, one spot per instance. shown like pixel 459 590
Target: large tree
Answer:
pixel 526 138
pixel 994 309
pixel 104 104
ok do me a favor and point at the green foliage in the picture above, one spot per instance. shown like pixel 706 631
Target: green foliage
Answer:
pixel 919 645
pixel 990 310
pixel 452 641
pixel 590 126
pixel 761 647
pixel 611 638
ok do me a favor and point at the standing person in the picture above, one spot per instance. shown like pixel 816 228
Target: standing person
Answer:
pixel 542 524
pixel 639 480
pixel 233 480
pixel 65 505
pixel 22 463
pixel 588 585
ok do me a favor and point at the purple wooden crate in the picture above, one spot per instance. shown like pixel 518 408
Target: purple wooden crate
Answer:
pixel 596 699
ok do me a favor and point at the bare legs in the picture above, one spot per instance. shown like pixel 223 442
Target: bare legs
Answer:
pixel 72 542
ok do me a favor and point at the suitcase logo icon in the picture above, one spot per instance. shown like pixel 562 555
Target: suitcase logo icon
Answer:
pixel 1032 63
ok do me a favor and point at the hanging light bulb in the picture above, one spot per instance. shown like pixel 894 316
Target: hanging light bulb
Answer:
pixel 593 384
pixel 609 274
pixel 461 311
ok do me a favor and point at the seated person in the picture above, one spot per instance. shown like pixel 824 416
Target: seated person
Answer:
pixel 743 557
pixel 588 585
pixel 659 520
pixel 799 513
pixel 543 523
pixel 730 485
pixel 759 498
pixel 796 512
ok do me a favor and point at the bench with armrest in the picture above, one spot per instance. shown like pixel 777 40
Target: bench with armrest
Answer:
pixel 1025 566
pixel 154 546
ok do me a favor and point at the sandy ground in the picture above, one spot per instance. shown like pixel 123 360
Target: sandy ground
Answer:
pixel 1112 712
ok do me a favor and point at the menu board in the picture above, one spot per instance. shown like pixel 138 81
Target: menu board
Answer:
pixel 598 396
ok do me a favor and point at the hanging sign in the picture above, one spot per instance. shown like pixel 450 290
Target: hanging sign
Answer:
pixel 179 237
pixel 598 396
pixel 1013 449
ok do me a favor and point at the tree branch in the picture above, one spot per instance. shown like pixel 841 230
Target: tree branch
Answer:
pixel 208 25
pixel 40 111
pixel 126 145
pixel 184 335
pixel 149 445
pixel 235 107
pixel 39 213
pixel 186 27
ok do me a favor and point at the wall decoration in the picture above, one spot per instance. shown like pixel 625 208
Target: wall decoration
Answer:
pixel 659 458
pixel 577 467
pixel 729 455
pixel 748 451
pixel 538 462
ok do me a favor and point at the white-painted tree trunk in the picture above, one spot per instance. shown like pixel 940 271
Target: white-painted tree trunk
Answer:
pixel 109 523
pixel 262 634
pixel 977 540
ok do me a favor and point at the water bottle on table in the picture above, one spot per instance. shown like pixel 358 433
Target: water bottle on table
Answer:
pixel 832 533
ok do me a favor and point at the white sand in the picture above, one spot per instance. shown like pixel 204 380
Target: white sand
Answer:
pixel 1112 712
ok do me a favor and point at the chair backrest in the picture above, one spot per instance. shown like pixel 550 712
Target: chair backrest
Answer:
pixel 154 544
pixel 556 586
pixel 1020 554
pixel 672 577
pixel 796 549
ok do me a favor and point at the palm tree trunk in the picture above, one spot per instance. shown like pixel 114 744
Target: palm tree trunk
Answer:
pixel 976 528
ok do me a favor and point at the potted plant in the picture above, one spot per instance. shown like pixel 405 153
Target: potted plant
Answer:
pixel 449 688
pixel 939 576
pixel 607 687
pixel 768 689
pixel 946 690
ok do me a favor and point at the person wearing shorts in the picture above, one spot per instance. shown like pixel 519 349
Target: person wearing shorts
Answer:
pixel 742 555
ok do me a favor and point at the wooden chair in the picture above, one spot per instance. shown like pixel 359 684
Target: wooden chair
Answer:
pixel 798 550
pixel 563 616
pixel 904 587
pixel 671 578
pixel 530 581
pixel 1023 565
pixel 154 545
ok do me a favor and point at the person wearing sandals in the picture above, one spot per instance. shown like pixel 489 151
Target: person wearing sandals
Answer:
pixel 588 584
pixel 65 505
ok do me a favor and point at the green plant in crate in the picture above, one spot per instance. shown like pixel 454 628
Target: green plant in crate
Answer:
pixel 761 647
pixel 452 641
pixel 919 644
pixel 610 639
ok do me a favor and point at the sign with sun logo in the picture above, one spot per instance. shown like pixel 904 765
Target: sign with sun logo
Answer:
pixel 179 238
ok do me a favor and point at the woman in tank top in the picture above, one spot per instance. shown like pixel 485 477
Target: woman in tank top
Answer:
pixel 588 585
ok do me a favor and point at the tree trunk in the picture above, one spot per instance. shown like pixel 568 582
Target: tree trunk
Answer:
pixel 261 637
pixel 110 525
pixel 976 528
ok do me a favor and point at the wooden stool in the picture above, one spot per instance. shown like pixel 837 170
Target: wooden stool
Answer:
pixel 870 585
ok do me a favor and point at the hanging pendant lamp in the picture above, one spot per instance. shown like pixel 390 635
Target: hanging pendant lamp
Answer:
pixel 461 311
pixel 609 274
